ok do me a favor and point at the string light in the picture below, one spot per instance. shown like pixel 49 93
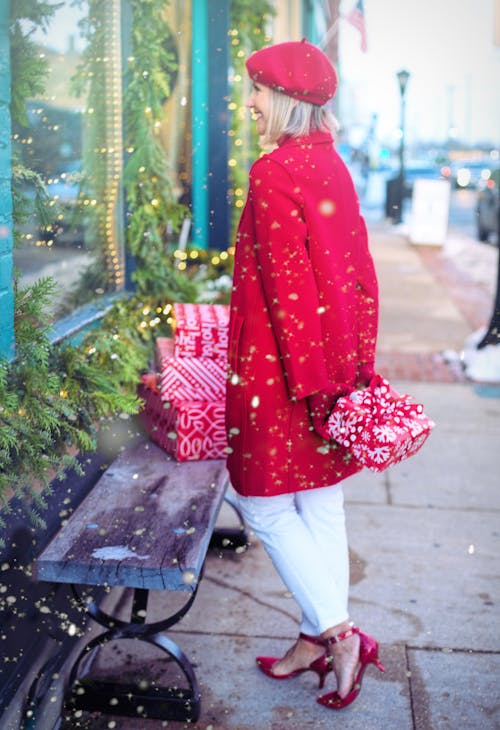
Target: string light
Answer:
pixel 113 162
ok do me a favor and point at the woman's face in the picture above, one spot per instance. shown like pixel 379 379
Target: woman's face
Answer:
pixel 259 102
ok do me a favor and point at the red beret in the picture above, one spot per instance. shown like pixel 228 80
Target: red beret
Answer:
pixel 296 68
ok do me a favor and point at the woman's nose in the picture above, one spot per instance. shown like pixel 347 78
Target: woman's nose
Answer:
pixel 250 102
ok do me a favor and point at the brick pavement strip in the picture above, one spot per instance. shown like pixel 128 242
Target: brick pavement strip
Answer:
pixel 427 367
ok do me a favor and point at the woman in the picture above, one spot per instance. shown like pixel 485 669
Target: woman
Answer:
pixel 302 332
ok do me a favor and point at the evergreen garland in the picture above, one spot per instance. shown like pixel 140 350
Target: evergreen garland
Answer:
pixel 53 397
pixel 150 200
pixel 30 71
pixel 27 67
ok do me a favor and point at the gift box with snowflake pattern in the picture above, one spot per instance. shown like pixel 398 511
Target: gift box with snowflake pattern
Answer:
pixel 379 426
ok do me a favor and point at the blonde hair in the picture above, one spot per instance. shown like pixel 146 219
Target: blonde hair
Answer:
pixel 289 116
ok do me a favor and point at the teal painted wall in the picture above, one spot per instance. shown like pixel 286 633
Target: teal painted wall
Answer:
pixel 6 261
pixel 200 123
pixel 209 120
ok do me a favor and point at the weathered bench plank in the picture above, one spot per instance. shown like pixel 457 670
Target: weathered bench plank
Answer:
pixel 147 524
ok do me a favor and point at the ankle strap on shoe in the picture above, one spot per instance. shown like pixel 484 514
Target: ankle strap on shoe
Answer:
pixel 312 639
pixel 344 634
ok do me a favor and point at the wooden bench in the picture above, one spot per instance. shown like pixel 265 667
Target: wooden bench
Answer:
pixel 146 525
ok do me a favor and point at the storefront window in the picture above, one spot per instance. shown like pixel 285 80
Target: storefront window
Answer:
pixel 76 149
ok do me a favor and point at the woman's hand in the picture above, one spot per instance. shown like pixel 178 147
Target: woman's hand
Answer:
pixel 364 374
pixel 321 405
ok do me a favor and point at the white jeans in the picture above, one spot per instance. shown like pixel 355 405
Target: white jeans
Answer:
pixel 304 534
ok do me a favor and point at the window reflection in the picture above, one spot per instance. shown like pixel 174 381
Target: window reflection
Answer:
pixel 76 238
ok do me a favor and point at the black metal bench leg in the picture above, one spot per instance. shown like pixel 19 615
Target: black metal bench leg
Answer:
pixel 84 692
pixel 39 687
pixel 121 698
pixel 139 605
pixel 230 538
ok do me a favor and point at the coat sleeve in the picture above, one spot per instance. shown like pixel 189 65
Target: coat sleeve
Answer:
pixel 366 307
pixel 287 277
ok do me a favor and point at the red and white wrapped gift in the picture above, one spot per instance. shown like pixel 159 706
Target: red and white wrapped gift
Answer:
pixel 189 378
pixel 379 426
pixel 201 330
pixel 188 430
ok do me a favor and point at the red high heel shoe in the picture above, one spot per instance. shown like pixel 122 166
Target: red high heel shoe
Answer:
pixel 368 654
pixel 321 666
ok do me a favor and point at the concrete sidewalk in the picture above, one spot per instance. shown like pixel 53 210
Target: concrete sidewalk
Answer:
pixel 424 539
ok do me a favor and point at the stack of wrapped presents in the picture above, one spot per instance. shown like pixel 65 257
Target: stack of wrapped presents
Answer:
pixel 185 399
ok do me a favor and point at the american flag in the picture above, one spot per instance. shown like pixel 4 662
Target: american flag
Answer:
pixel 357 18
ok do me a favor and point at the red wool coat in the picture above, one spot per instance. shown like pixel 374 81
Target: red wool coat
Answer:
pixel 304 311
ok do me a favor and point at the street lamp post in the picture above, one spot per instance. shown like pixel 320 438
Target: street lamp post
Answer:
pixel 402 77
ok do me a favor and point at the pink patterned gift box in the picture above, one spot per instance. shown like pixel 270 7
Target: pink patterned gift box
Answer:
pixel 201 330
pixel 188 430
pixel 189 378
pixel 379 426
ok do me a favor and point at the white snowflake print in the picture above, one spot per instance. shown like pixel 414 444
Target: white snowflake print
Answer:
pixel 384 433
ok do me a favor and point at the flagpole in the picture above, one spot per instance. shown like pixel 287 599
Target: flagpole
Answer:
pixel 330 44
pixel 328 37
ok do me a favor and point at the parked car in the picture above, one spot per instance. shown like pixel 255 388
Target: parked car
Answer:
pixel 487 207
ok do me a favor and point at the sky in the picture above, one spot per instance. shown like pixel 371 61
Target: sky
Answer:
pixel 448 48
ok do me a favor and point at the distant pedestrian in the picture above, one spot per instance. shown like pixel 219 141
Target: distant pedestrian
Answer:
pixel 364 170
pixel 303 332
